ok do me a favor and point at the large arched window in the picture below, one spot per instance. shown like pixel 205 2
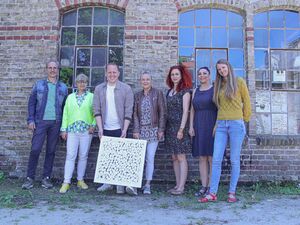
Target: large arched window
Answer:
pixel 90 37
pixel 206 35
pixel 277 69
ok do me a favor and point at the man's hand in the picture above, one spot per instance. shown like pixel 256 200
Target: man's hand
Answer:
pixel 100 133
pixel 124 133
pixel 160 135
pixel 31 126
pixel 91 130
pixel 136 135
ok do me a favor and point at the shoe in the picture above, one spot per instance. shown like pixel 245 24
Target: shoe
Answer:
pixel 131 190
pixel 208 198
pixel 231 198
pixel 28 184
pixel 172 189
pixel 203 191
pixel 177 192
pixel 147 190
pixel 64 188
pixel 81 184
pixel 46 183
pixel 120 190
pixel 105 187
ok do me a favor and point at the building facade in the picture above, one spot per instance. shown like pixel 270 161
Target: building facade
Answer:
pixel 260 38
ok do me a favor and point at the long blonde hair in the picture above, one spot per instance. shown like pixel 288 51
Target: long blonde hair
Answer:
pixel 230 83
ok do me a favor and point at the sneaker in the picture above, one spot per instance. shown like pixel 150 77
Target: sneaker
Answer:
pixel 147 190
pixel 208 198
pixel 46 183
pixel 231 198
pixel 120 189
pixel 64 188
pixel 104 187
pixel 28 184
pixel 81 184
pixel 131 190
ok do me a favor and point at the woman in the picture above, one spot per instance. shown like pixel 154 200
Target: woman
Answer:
pixel 232 99
pixel 177 138
pixel 203 117
pixel 149 122
pixel 78 125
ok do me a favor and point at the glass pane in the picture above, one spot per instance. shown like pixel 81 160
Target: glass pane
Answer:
pixel 261 20
pixel 186 37
pixel 218 17
pixel 186 18
pixel 219 38
pixel 116 18
pixel 203 17
pixel 279 79
pixel 261 59
pixel 293 80
pixel 202 58
pixel 291 19
pixel 98 75
pixel 99 56
pixel 260 38
pixel 236 38
pixel 292 38
pixel 203 37
pixel 294 113
pixel 100 36
pixel 293 60
pixel 85 16
pixel 279 124
pixel 262 79
pixel 235 20
pixel 278 60
pixel 116 35
pixel 276 18
pixel 69 18
pixel 66 76
pixel 83 57
pixel 68 36
pixel 67 57
pixel 239 73
pixel 186 55
pixel 85 71
pixel 116 55
pixel 276 38
pixel 263 123
pixel 83 36
pixel 218 54
pixel 100 16
pixel 236 58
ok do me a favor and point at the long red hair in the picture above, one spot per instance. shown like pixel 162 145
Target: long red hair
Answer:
pixel 186 78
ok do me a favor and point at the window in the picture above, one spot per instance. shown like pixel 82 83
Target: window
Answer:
pixel 90 37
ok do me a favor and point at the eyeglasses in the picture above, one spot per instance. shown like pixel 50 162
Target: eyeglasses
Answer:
pixel 52 68
pixel 81 82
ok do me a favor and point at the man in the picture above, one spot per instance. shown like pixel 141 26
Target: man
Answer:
pixel 113 107
pixel 45 107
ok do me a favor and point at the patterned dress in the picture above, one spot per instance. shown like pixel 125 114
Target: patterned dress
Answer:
pixel 174 116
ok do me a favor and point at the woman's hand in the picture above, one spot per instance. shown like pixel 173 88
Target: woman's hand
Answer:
pixel 64 135
pixel 136 135
pixel 180 134
pixel 160 135
pixel 214 130
pixel 91 130
pixel 191 132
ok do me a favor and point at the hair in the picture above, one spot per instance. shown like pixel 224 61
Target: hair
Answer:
pixel 82 77
pixel 146 72
pixel 230 84
pixel 54 61
pixel 205 68
pixel 112 64
pixel 186 78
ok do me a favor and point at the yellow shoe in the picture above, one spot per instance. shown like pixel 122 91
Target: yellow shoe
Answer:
pixel 64 188
pixel 81 184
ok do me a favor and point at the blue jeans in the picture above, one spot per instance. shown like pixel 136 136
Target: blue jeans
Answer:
pixel 235 130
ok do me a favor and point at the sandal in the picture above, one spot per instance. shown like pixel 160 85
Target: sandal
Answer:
pixel 202 191
pixel 177 192
pixel 172 189
pixel 208 198
pixel 231 198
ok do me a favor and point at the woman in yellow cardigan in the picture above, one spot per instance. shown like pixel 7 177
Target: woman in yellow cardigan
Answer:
pixel 78 125
pixel 232 99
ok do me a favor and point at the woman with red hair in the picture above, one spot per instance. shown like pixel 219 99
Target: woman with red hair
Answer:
pixel 177 138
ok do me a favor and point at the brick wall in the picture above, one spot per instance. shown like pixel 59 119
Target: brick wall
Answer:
pixel 29 34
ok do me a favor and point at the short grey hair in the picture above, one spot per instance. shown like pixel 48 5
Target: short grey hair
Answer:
pixel 52 61
pixel 146 72
pixel 82 77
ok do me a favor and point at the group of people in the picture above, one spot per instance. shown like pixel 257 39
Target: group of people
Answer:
pixel 198 121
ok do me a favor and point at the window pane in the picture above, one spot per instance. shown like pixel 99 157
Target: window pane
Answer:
pixel 262 79
pixel 69 18
pixel 218 17
pixel 203 37
pixel 293 80
pixel 276 39
pixel 83 57
pixel 186 19
pixel 67 56
pixel 279 79
pixel 186 55
pixel 186 37
pixel 263 123
pixel 235 20
pixel 83 36
pixel 279 124
pixel 219 37
pixel 116 35
pixel 293 113
pixel 116 18
pixel 293 60
pixel 85 16
pixel 100 16
pixel 236 58
pixel 100 36
pixel 203 17
pixel 98 75
pixel 66 75
pixel 203 58
pixel 116 55
pixel 276 18
pixel 239 73
pixel 291 19
pixel 68 36
pixel 236 38
pixel 278 60
pixel 260 38
pixel 218 54
pixel 292 38
pixel 261 20
pixel 261 59
pixel 99 57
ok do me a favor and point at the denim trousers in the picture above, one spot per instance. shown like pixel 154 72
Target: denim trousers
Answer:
pixel 150 155
pixel 77 144
pixel 234 130
pixel 51 129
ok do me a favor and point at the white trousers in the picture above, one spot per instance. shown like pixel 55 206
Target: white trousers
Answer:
pixel 150 155
pixel 77 144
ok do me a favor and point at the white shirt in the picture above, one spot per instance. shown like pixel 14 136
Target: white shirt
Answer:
pixel 111 121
